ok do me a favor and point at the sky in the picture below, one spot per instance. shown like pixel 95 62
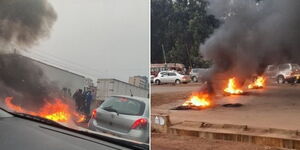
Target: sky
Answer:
pixel 98 38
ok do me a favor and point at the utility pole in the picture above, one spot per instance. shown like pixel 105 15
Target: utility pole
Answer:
pixel 164 53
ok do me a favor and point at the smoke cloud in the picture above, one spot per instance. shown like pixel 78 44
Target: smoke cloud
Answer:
pixel 253 35
pixel 23 23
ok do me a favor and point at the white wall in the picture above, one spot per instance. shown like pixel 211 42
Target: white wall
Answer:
pixel 109 87
pixel 62 78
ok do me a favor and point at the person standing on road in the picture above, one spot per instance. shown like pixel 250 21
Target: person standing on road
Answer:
pixel 88 101
pixel 81 102
pixel 77 96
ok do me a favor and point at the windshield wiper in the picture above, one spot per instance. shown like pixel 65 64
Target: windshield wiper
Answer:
pixel 110 109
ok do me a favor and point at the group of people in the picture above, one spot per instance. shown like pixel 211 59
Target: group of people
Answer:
pixel 83 100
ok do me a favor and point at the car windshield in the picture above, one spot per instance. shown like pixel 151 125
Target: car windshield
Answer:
pixel 126 106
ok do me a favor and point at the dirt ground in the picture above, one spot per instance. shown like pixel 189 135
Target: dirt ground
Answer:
pixel 164 94
pixel 276 106
pixel 272 107
pixel 169 142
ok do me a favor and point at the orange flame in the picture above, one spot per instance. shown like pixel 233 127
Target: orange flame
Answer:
pixel 57 111
pixel 200 100
pixel 232 87
pixel 79 117
pixel 258 83
pixel 16 108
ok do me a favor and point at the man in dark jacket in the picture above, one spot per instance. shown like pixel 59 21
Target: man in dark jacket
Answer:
pixel 78 97
pixel 88 101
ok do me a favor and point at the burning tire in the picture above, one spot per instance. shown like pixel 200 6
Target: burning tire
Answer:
pixel 157 82
pixel 280 79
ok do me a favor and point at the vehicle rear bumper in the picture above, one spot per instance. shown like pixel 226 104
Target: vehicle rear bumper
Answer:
pixel 136 135
pixel 297 77
pixel 186 80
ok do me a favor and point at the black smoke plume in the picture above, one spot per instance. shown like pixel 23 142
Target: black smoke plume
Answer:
pixel 254 34
pixel 23 23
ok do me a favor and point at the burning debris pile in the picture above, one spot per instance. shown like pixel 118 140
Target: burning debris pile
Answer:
pixel 22 24
pixel 232 87
pixel 258 83
pixel 196 101
pixel 200 100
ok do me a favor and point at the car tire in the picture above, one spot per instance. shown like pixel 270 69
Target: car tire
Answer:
pixel 280 79
pixel 157 82
pixel 194 79
pixel 177 81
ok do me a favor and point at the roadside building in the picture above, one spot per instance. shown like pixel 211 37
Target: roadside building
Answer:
pixel 139 81
pixel 65 80
pixel 109 87
pixel 88 82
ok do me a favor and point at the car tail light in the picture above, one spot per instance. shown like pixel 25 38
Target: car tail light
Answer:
pixel 94 113
pixel 139 123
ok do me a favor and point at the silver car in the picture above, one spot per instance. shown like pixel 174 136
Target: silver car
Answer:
pixel 283 73
pixel 197 73
pixel 171 77
pixel 122 116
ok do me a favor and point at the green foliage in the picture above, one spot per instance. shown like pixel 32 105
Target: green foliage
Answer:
pixel 181 26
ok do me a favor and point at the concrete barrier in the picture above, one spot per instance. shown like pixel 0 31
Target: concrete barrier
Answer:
pixel 160 122
pixel 278 138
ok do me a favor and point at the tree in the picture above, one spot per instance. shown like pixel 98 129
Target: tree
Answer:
pixel 160 18
pixel 180 26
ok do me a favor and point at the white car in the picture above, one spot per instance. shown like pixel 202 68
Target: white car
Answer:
pixel 152 78
pixel 283 73
pixel 171 77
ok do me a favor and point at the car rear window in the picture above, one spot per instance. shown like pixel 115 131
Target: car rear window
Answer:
pixel 124 106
